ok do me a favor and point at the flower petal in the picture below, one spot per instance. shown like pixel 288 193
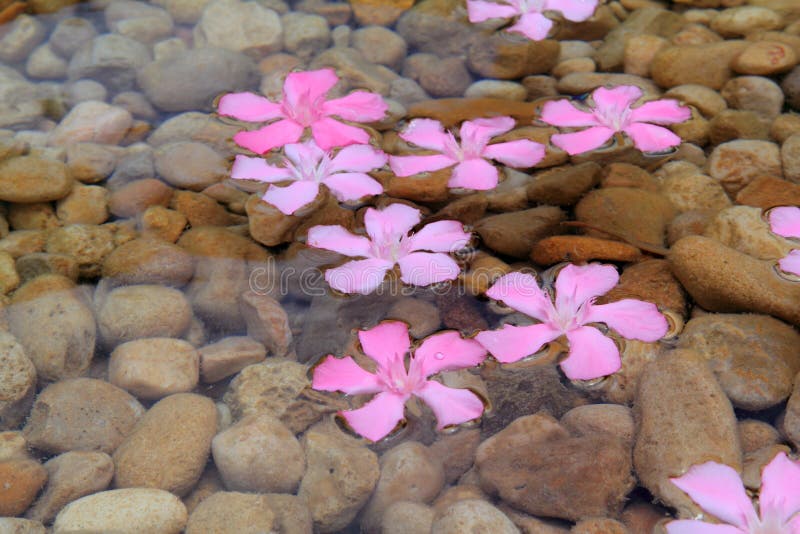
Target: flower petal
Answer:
pixel 292 197
pixel 478 11
pixel 664 111
pixel 306 155
pixel 410 165
pixel 357 158
pixel 345 375
pixel 391 222
pixel 574 10
pixel 718 490
pixel 521 292
pixel 329 133
pixel 690 526
pixel 534 26
pixel 591 355
pixel 447 351
pixel 478 132
pixel 358 106
pixel 451 406
pixel 791 262
pixel 426 133
pixel 440 236
pixel 247 168
pixel 248 107
pixel 651 138
pixel 577 284
pixel 633 319
pixel 377 418
pixel 304 89
pixel 426 268
pixel 385 341
pixel 522 153
pixel 476 174
pixel 352 185
pixel 512 343
pixel 780 488
pixel 584 141
pixel 338 239
pixel 272 136
pixel 616 101
pixel 360 276
pixel 564 113
pixel 785 221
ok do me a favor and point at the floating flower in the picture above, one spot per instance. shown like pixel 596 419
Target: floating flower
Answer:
pixel 387 344
pixel 471 170
pixel 303 106
pixel 591 354
pixel 389 244
pixel 612 113
pixel 531 23
pixel 785 221
pixel 719 491
pixel 307 165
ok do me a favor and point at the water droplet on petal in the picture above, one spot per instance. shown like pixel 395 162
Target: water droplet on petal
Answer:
pixel 439 356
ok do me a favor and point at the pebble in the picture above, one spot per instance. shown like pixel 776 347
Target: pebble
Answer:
pixel 736 163
pixel 267 322
pixel 380 45
pixel 94 122
pixel 506 56
pixel 9 276
pixel 138 20
pixel 646 22
pixel 189 165
pixel 439 77
pixel 406 517
pixel 232 511
pixel 790 158
pixel 18 40
pixel 153 368
pixel 21 242
pixel 706 100
pixel 305 35
pixel 184 11
pixel 472 515
pixel 613 419
pixel 745 229
pixel 36 216
pixel 43 63
pixel 148 261
pixel 579 83
pixel 579 249
pixel 765 58
pixel 640 51
pixel 20 481
pixel 384 12
pixel 85 204
pixel 17 382
pixel 202 210
pixel 17 525
pixel 355 69
pixel 137 196
pixel 158 222
pixel 240 27
pixel 29 179
pixel 497 89
pixel 679 65
pixel 754 93
pixel 515 233
pixel 81 414
pixel 436 26
pixel 790 425
pixel 79 91
pixel 733 124
pixel 743 20
pixel 755 435
pixel 229 356
pixel 694 191
pixel 575 65
pixel 791 88
pixel 89 244
pixel 136 103
pixel 109 59
pixel 422 317
pixel 69 34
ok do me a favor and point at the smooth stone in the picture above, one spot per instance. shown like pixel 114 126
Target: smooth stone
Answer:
pixel 20 481
pixel 85 204
pixel 152 368
pixel 437 26
pixel 706 100
pixel 439 77
pixel 614 419
pixel 516 233
pixel 380 45
pixel 17 382
pixel 229 356
pixel 742 20
pixel 15 525
pixel 138 20
pixel 694 191
pixel 383 12
pixel 238 26
pixel 767 191
pixel 89 244
pixel 746 229
pixel 158 222
pixel 356 70
pixel 679 65
pixel 189 165
pixel 232 511
pixel 135 197
pixel 267 322
pixel 305 35
pixel 9 277
pixel 506 56
pixel 20 38
pixel 472 515
pixel 110 59
pixel 406 517
pixel 69 34
pixel 422 317
pixel 579 249
pixel 148 261
pixel 195 126
pixel 44 63
pixel 646 21
pixel 33 179
pixel 563 186
pixel 731 125
pixel 452 111
pixel 790 425
pixel 736 163
pixel 765 58
pixel 790 158
pixel 755 435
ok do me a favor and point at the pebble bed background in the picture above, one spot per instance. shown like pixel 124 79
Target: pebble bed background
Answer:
pixel 158 324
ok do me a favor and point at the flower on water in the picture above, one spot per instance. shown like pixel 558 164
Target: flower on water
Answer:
pixel 591 354
pixel 387 344
pixel 785 221
pixel 612 113
pixel 471 170
pixel 307 165
pixel 718 490
pixel 303 106
pixel 531 23
pixel 389 244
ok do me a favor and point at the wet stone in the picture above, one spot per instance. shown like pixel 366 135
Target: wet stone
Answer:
pixel 736 163
pixel 153 368
pixel 190 165
pixel 29 266
pixel 267 322
pixel 406 517
pixel 438 77
pixel 229 356
pixel 515 233
pixel 472 515
pixel 85 204
pixel 148 261
pixel 33 179
pixel 231 511
pixel 18 382
pixel 755 435
pixel 20 481
pixel 240 27
pixel 563 186
pixel 89 244
pixel 507 56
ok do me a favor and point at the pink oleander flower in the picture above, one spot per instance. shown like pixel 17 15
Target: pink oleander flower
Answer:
pixel 471 170
pixel 389 244
pixel 612 113
pixel 591 354
pixel 531 23
pixel 785 221
pixel 308 166
pixel 303 106
pixel 387 344
pixel 719 491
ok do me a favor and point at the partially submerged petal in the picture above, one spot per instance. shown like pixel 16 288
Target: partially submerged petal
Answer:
pixel 478 132
pixel 521 153
pixel 577 284
pixel 616 100
pixel 292 197
pixel 591 355
pixel 651 138
pixel 584 141
pixel 345 375
pixel 440 236
pixel 633 319
pixel 338 239
pixel 574 10
pixel 534 26
pixel 691 526
pixel 785 221
pixel 410 165
pixel 247 168
pixel 426 268
pixel 718 490
pixel 564 113
pixel 791 262
pixel 358 106
pixel 357 158
pixel 512 343
pixel 347 186
pixel 360 276
pixel 248 107
pixel 377 418
pixel 451 406
pixel 426 133
pixel 476 174
pixel 392 222
pixel 384 342
pixel 780 488
pixel 664 111
pixel 308 87
pixel 448 351
pixel 265 139
pixel 329 133
pixel 478 11
pixel 521 292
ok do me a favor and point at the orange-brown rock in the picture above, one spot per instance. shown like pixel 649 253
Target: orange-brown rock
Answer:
pixel 768 191
pixel 379 12
pixel 20 481
pixel 451 111
pixel 425 187
pixel 650 280
pixel 579 249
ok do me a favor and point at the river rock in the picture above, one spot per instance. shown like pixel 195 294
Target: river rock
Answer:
pixel 20 481
pixel 267 322
pixel 110 59
pixel 20 38
pixel 515 233
pixel 406 517
pixel 742 20
pixel 152 368
pixel 89 244
pixel 744 228
pixel 240 27
pixel 736 163
pixel 17 380
pixel 229 356
pixel 613 419
pixel 472 515
pixel 765 58
pixel 85 204
pixel 139 21
pixel 679 65
pixel 189 165
pixel 790 158
pixel 437 26
pixel 92 122
pixel 380 45
pixel 136 196
pixel 507 56
pixel 791 418
pixel 33 179
pixel 232 511
pixel 148 261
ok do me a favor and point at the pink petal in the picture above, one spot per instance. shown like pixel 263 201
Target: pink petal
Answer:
pixel 306 155
pixel 791 263
pixel 512 343
pixel 690 526
pixel 794 525
pixel 521 292
pixel 385 341
pixel 519 154
pixel 391 222
pixel 478 132
pixel 577 284
pixel 665 111
pixel 651 138
pixel 440 236
pixel 426 133
pixel 265 139
pixel 564 113
pixel 574 10
pixel 476 174
pixel 360 276
pixel 447 351
pixel 718 490
pixel 780 488
pixel 352 185
pixel 248 107
pixel 377 418
pixel 345 375
pixel 329 133
pixel 426 268
pixel 591 355
pixel 358 106
pixel 337 239
pixel 785 221
pixel 579 142
pixel 357 158
pixel 304 89
pixel 247 168
pixel 534 26
pixel 615 102
pixel 451 406
pixel 292 197
pixel 410 165
pixel 633 319
pixel 478 11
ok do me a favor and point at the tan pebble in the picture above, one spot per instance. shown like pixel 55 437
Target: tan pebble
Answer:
pixel 573 248
pixel 736 163
pixel 755 434
pixel 267 322
pixel 136 196
pixel 148 261
pixel 162 223
pixel 33 179
pixel 89 244
pixel 34 216
pixel 230 511
pixel 153 368
pixel 472 515
pixel 87 204
pixel 9 276
pixel 406 517
pixel 20 481
pixel 229 356
pixel 743 20
pixel 17 382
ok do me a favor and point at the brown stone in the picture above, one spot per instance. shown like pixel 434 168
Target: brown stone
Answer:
pixel 20 481
pixel 452 111
pixel 506 56
pixel 652 281
pixel 138 195
pixel 563 186
pixel 515 233
pixel 768 191
pixel 580 249
pixel 379 12
pixel 424 187
pixel 201 210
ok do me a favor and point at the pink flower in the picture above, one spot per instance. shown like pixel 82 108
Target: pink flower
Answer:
pixel 785 221
pixel 471 170
pixel 389 244
pixel 612 113
pixel 718 490
pixel 591 354
pixel 387 344
pixel 532 23
pixel 303 106
pixel 308 166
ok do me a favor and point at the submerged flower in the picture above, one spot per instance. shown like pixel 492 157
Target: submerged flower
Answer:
pixel 718 490
pixel 308 166
pixel 532 23
pixel 612 113
pixel 387 344
pixel 591 354
pixel 785 221
pixel 389 244
pixel 471 170
pixel 303 106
